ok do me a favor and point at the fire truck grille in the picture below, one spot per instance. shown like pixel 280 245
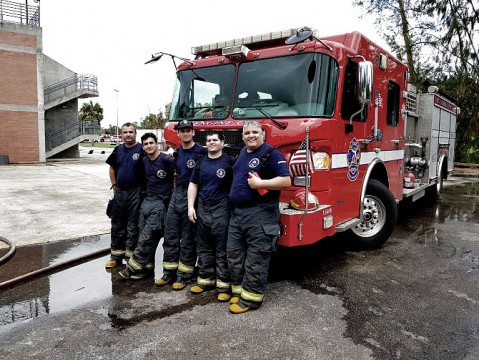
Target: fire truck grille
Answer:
pixel 233 140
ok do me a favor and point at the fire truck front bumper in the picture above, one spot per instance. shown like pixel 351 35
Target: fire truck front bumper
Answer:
pixel 305 228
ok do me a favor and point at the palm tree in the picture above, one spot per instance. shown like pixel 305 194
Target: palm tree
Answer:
pixel 90 111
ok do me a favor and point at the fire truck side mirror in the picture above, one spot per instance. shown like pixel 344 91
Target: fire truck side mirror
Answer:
pixel 365 82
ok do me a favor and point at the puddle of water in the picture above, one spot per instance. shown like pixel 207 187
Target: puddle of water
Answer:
pixel 459 203
pixel 64 290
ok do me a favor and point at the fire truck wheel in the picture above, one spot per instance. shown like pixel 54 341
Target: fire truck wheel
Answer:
pixel 433 193
pixel 379 217
pixel 439 184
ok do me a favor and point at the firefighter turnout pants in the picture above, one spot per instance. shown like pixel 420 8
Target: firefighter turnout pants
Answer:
pixel 124 222
pixel 211 236
pixel 151 224
pixel 179 245
pixel 252 235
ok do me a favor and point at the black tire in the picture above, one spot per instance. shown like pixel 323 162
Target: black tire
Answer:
pixel 380 214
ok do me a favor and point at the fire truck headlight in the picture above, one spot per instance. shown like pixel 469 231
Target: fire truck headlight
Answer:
pixel 321 160
pixel 327 221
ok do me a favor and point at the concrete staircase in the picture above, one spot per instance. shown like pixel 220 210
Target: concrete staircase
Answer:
pixel 77 86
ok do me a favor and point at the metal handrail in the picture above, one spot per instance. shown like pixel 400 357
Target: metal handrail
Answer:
pixel 18 13
pixel 69 85
pixel 70 132
pixel 61 136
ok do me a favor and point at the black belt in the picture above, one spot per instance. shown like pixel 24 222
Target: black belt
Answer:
pixel 157 196
pixel 253 204
pixel 242 206
pixel 211 202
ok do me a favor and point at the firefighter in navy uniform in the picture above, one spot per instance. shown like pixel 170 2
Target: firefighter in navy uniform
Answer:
pixel 179 246
pixel 254 224
pixel 159 172
pixel 211 182
pixel 127 181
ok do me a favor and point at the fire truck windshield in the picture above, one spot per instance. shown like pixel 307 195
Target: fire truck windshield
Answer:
pixel 284 87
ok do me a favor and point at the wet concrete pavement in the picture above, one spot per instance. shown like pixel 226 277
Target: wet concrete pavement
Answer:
pixel 416 298
pixel 58 200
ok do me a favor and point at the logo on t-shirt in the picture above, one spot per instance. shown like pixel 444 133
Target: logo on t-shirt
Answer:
pixel 190 163
pixel 161 174
pixel 135 156
pixel 253 163
pixel 220 173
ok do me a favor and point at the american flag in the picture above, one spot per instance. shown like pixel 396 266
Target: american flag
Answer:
pixel 297 163
pixel 378 99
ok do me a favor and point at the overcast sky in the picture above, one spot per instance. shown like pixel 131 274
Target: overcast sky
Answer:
pixel 112 39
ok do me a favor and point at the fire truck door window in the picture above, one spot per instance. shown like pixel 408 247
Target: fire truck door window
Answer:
pixel 203 92
pixel 301 85
pixel 393 104
pixel 350 101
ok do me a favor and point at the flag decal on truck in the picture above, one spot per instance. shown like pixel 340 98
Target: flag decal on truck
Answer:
pixel 354 156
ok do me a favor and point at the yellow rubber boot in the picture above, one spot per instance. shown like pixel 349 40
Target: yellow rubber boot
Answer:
pixel 197 289
pixel 237 309
pixel 112 263
pixel 223 297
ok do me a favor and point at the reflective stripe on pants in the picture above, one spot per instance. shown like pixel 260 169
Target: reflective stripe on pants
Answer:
pixel 211 237
pixel 124 220
pixel 252 236
pixel 179 243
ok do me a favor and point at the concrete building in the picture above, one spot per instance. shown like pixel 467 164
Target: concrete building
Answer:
pixel 38 95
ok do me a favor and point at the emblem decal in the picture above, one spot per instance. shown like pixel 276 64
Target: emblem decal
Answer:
pixel 135 156
pixel 161 174
pixel 190 163
pixel 253 163
pixel 220 173
pixel 354 156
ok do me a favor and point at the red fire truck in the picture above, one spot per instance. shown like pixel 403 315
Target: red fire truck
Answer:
pixel 373 140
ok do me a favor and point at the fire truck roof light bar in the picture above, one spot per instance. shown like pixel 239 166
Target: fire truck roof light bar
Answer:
pixel 275 35
pixel 236 49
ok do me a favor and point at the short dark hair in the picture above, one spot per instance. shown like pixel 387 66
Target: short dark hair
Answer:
pixel 219 133
pixel 128 124
pixel 148 135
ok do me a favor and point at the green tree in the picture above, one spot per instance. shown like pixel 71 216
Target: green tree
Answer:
pixel 90 111
pixel 458 43
pixel 458 68
pixel 406 28
pixel 152 121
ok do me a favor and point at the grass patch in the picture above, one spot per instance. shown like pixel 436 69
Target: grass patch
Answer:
pixel 97 145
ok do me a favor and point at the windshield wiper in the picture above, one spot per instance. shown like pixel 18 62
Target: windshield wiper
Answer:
pixel 196 110
pixel 279 123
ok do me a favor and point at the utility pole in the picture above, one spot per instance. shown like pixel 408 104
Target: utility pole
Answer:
pixel 116 91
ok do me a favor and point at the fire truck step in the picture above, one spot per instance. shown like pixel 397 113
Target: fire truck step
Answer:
pixel 347 225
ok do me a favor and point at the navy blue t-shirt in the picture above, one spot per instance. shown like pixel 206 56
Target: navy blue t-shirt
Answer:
pixel 128 165
pixel 212 178
pixel 241 193
pixel 185 163
pixel 159 174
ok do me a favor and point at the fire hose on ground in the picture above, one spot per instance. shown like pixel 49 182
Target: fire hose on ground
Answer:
pixel 10 253
pixel 49 269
